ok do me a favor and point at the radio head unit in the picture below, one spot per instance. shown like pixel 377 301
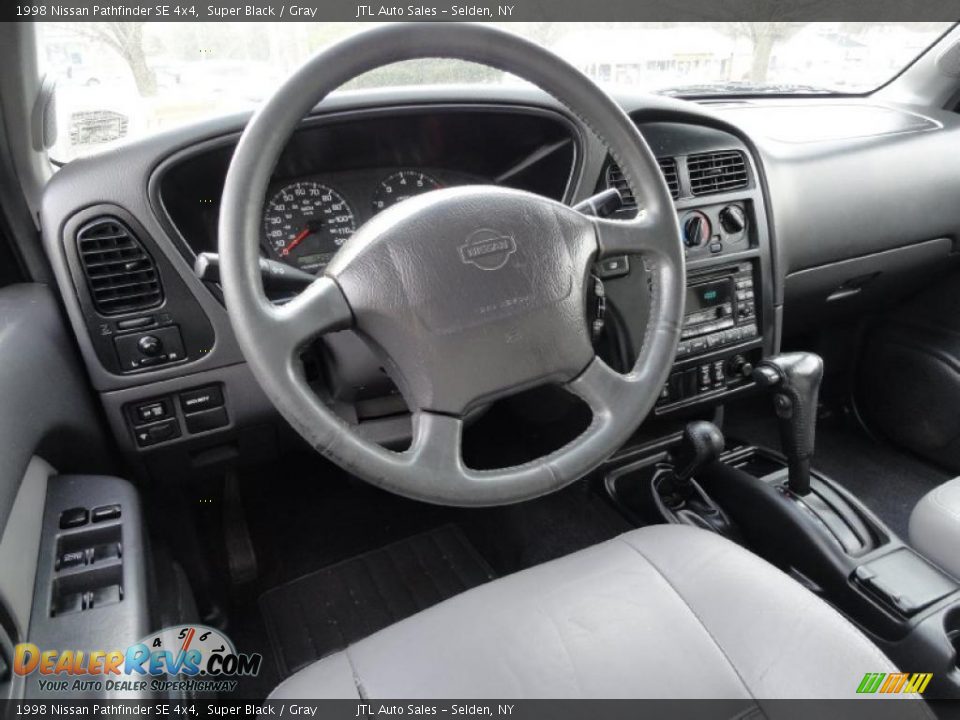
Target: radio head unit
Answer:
pixel 720 310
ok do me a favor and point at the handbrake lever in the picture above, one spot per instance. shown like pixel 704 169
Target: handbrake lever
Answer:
pixel 276 275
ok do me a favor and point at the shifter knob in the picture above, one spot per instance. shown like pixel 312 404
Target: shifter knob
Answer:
pixel 701 444
pixel 795 381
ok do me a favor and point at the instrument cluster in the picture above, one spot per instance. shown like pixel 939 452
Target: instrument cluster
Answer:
pixel 307 220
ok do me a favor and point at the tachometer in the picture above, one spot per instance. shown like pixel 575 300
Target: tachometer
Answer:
pixel 401 186
pixel 305 224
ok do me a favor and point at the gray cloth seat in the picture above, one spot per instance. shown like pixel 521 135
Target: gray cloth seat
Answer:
pixel 660 612
pixel 935 526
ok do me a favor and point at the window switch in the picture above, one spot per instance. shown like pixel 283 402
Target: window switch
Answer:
pixel 68 604
pixel 107 551
pixel 74 517
pixel 105 596
pixel 73 558
pixel 105 512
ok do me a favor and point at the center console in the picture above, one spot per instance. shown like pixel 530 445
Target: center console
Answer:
pixel 721 338
pixel 730 317
pixel 805 523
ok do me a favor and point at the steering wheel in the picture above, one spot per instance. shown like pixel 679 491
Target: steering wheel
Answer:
pixel 466 294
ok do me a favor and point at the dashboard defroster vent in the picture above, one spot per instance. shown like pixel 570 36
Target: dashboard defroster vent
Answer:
pixel 717 172
pixel 615 179
pixel 121 275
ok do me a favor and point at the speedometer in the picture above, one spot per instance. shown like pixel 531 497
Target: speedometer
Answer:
pixel 401 186
pixel 305 224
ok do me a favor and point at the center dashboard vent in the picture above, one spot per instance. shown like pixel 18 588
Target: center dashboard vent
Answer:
pixel 717 172
pixel 121 275
pixel 615 179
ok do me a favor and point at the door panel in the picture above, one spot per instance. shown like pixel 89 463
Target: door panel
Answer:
pixel 47 420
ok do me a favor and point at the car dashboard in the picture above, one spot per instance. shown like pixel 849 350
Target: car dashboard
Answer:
pixel 124 229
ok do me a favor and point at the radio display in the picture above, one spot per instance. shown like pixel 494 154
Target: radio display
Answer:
pixel 708 295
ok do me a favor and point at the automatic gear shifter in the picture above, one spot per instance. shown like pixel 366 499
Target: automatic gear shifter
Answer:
pixel 795 381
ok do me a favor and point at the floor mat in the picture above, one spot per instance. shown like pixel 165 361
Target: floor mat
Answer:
pixel 888 481
pixel 327 610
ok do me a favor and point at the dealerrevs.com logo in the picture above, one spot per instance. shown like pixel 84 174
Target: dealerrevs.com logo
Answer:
pixel 894 683
pixel 184 657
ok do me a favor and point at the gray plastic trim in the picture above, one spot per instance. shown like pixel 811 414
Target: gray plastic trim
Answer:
pixel 20 544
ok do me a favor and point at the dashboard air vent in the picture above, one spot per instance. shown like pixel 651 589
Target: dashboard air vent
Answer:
pixel 717 172
pixel 615 179
pixel 121 276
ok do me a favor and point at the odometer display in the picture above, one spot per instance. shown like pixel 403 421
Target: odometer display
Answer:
pixel 401 186
pixel 305 223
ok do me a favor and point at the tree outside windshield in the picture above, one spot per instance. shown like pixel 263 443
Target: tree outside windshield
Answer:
pixel 121 80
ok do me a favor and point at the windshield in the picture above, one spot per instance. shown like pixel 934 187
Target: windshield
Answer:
pixel 121 80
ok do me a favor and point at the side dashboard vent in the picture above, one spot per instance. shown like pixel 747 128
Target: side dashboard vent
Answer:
pixel 615 179
pixel 121 275
pixel 717 172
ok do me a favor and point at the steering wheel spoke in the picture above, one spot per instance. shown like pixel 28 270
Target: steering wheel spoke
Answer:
pixel 601 387
pixel 321 308
pixel 436 445
pixel 646 234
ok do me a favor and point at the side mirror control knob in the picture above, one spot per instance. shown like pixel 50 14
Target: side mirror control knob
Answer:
pixel 150 345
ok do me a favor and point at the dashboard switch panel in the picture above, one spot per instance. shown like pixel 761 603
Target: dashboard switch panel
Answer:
pixel 207 420
pixel 203 398
pixel 148 349
pixel 157 433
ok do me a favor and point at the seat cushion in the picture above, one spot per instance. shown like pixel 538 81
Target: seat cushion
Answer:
pixel 661 612
pixel 935 526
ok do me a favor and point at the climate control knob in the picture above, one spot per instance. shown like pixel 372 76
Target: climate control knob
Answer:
pixel 733 219
pixel 696 229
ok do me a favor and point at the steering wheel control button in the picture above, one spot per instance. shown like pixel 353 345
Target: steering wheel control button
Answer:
pixel 207 420
pixel 201 399
pixel 613 267
pixel 74 517
pixel 137 351
pixel 104 513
